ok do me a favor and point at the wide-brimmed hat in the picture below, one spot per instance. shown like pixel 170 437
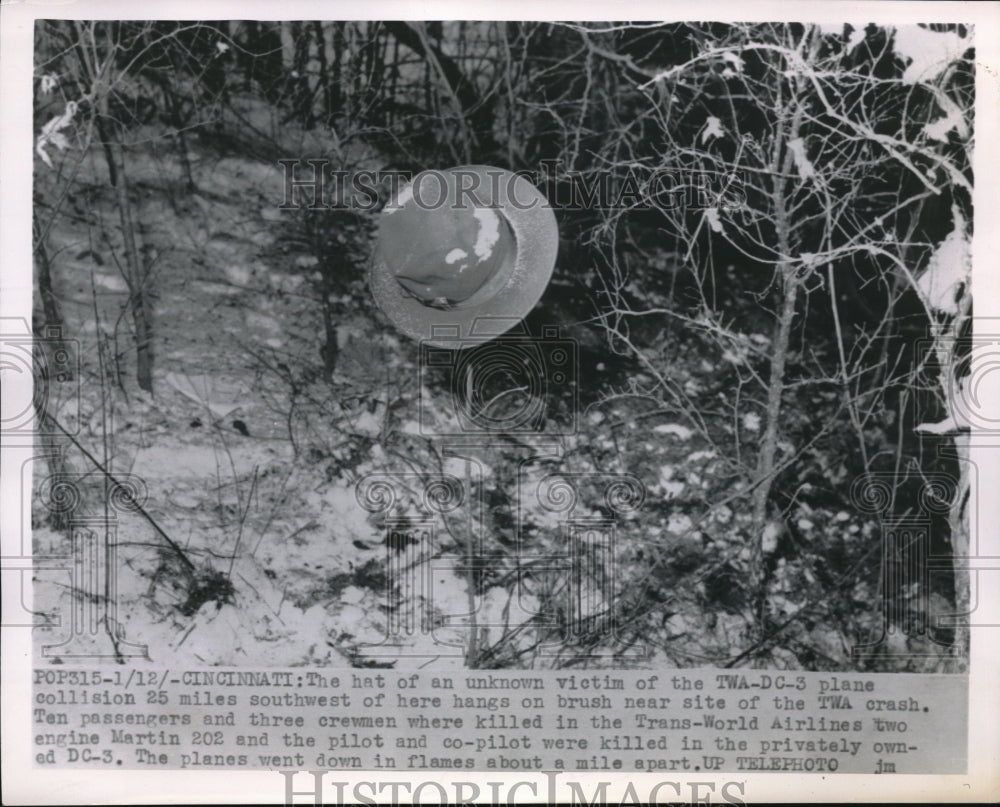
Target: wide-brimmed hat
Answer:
pixel 463 254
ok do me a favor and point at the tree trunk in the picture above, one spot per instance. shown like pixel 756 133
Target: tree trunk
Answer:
pixel 958 519
pixel 337 96
pixel 478 114
pixel 781 166
pixel 769 443
pixel 50 305
pixel 136 276
pixel 324 71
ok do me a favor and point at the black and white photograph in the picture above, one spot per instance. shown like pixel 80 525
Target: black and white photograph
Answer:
pixel 439 361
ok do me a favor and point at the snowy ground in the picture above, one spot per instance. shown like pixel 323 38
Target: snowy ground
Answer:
pixel 251 458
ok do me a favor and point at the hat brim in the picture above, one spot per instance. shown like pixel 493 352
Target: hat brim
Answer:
pixel 536 239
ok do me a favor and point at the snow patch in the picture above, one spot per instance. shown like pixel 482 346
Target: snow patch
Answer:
pixel 929 52
pixel 713 128
pixel 352 595
pixel 679 523
pixel 671 490
pixel 367 423
pixel 111 283
pixel 712 217
pixel 236 274
pixel 769 540
pixel 489 232
pixel 681 432
pixel 405 195
pixel 802 163
pixel 948 269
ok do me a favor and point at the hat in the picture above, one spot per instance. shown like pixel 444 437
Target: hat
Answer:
pixel 463 253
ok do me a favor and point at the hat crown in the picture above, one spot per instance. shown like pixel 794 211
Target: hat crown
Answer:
pixel 441 243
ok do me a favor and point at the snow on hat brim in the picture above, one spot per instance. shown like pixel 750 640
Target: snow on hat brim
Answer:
pixel 536 242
